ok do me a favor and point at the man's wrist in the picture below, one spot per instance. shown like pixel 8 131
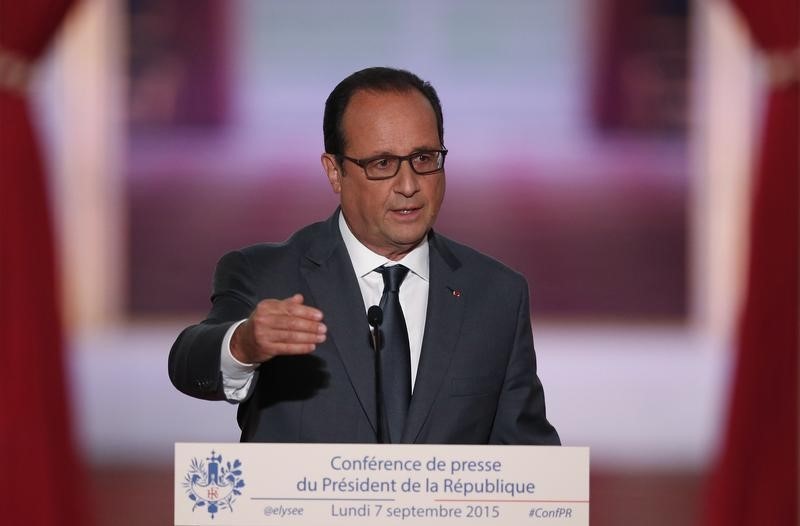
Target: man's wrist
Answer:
pixel 232 365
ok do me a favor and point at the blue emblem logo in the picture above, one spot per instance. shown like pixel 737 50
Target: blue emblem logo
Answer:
pixel 214 486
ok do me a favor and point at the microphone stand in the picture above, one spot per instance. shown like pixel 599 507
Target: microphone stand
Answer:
pixel 375 318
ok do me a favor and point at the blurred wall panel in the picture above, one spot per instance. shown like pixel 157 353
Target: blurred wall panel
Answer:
pixel 178 64
pixel 722 132
pixel 80 106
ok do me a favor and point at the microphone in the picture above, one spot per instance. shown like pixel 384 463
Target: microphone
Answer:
pixel 375 318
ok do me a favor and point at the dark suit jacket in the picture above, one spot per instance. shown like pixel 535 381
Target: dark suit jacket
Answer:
pixel 476 381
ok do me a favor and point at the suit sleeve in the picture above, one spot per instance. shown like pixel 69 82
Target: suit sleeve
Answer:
pixel 194 360
pixel 520 416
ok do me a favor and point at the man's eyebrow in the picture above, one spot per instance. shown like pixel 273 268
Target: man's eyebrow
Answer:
pixel 413 150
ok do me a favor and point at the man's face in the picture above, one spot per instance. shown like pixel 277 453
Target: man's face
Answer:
pixel 389 216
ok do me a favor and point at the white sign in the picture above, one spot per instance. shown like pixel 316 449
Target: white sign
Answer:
pixel 370 484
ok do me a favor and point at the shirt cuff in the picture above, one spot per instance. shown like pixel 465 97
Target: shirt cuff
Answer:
pixel 237 377
pixel 229 365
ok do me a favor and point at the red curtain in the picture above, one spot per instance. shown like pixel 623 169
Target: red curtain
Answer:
pixel 755 481
pixel 42 482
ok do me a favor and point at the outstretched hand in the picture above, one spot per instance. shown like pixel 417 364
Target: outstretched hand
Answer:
pixel 278 327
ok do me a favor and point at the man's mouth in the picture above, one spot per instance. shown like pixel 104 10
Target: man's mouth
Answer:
pixel 405 211
pixel 409 212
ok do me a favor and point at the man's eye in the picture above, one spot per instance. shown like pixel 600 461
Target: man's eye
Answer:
pixel 423 158
pixel 380 164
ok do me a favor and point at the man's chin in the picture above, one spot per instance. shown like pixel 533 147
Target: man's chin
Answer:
pixel 409 243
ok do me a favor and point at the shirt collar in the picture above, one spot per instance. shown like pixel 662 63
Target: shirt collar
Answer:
pixel 365 260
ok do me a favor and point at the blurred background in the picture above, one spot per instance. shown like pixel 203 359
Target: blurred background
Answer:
pixel 600 147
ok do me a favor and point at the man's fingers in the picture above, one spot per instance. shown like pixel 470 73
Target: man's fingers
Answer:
pixel 295 307
pixel 295 298
pixel 273 337
pixel 292 306
pixel 304 311
pixel 284 326
pixel 293 323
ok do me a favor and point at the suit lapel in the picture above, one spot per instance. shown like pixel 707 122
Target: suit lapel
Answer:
pixel 332 281
pixel 442 327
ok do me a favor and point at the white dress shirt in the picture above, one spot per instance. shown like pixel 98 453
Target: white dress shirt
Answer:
pixel 238 377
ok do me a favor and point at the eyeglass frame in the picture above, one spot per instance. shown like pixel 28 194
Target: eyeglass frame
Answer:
pixel 400 158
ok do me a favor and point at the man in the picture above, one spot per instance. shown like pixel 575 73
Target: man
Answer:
pixel 287 336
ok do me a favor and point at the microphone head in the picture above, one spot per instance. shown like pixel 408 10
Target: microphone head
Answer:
pixel 375 316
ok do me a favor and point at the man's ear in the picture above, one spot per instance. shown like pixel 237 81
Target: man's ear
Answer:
pixel 331 168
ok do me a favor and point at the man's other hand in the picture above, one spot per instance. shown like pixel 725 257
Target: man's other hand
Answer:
pixel 278 327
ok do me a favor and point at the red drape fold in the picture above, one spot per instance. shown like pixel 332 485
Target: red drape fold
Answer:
pixel 756 479
pixel 42 482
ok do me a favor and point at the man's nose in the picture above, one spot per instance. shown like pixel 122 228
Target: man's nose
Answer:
pixel 407 180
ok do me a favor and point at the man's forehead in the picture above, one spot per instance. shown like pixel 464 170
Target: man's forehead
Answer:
pixel 372 96
pixel 392 121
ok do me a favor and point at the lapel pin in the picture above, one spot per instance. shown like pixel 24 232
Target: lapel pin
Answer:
pixel 456 293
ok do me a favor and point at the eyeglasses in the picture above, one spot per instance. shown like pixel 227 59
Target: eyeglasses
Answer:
pixel 386 166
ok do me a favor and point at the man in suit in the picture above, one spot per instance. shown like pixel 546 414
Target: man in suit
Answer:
pixel 287 336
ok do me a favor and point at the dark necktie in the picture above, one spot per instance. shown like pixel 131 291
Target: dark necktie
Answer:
pixel 395 353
